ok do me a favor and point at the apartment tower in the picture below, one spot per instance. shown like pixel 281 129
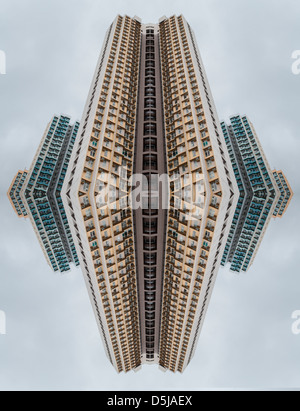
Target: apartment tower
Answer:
pixel 263 193
pixel 150 270
pixel 36 193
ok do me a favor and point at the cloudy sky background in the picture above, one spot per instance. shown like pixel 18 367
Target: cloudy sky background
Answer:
pixel 52 341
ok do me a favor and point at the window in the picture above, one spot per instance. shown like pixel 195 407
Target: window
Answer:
pixel 150 144
pixel 214 201
pixel 214 188
pixel 150 161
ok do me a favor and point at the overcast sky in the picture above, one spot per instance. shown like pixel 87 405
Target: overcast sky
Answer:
pixel 52 341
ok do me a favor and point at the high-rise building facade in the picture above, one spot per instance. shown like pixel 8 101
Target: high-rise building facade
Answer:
pixel 14 194
pixel 263 193
pixel 36 193
pixel 150 193
pixel 286 194
pixel 150 270
pixel 195 151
